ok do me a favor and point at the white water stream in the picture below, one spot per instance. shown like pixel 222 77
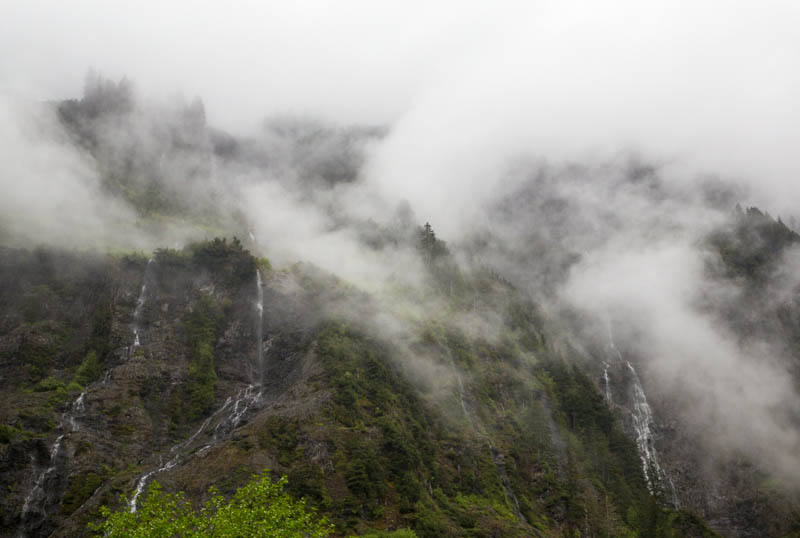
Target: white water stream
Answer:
pixel 36 499
pixel 260 326
pixel 245 400
pixel 137 313
pixel 607 383
pixel 642 421
pixel 229 415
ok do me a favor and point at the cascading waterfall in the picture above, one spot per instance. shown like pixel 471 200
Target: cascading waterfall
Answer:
pixel 499 465
pixel 607 383
pixel 36 500
pixel 497 456
pixel 202 427
pixel 246 399
pixel 145 478
pixel 137 312
pixel 260 326
pixel 140 485
pixel 461 398
pixel 37 495
pixel 642 419
pixel 642 422
pixel 78 406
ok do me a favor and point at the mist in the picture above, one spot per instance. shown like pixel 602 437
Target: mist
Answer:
pixel 584 150
pixel 51 193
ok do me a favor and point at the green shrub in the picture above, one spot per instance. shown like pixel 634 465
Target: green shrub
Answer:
pixel 260 509
pixel 196 397
pixel 47 384
pixel 89 370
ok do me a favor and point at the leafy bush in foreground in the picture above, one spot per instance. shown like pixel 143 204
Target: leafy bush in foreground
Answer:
pixel 260 509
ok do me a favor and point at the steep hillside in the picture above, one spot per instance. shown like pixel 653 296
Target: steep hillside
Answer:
pixel 424 426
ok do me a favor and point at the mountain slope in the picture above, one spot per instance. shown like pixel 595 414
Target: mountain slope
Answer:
pixel 434 429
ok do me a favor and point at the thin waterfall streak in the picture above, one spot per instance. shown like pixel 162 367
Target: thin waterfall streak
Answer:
pixel 140 302
pixel 642 421
pixel 69 424
pixel 461 397
pixel 246 399
pixel 260 327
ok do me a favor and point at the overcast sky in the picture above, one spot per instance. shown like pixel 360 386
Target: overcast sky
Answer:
pixel 466 86
pixel 351 61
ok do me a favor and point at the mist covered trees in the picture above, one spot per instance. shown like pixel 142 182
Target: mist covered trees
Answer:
pixel 429 246
pixel 752 243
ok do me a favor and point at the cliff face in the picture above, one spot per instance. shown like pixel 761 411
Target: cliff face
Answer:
pixel 422 425
pixel 84 402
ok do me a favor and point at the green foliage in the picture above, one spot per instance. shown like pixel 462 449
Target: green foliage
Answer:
pixel 600 453
pixel 100 338
pixel 443 270
pixel 169 259
pixel 196 398
pixel 752 243
pixel 10 433
pixel 47 384
pixel 260 509
pixel 89 370
pixel 370 394
pixel 429 246
pixel 230 263
pixel 264 264
pixel 37 355
pixel 80 489
pixel 39 419
pixel 534 451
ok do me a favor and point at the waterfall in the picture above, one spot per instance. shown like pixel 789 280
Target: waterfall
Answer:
pixel 259 326
pixel 642 425
pixel 38 494
pixel 78 406
pixel 607 382
pixel 137 312
pixel 499 465
pixel 461 398
pixel 145 478
pixel 35 503
pixel 201 428
pixel 140 485
pixel 642 421
pixel 246 399
pixel 461 395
